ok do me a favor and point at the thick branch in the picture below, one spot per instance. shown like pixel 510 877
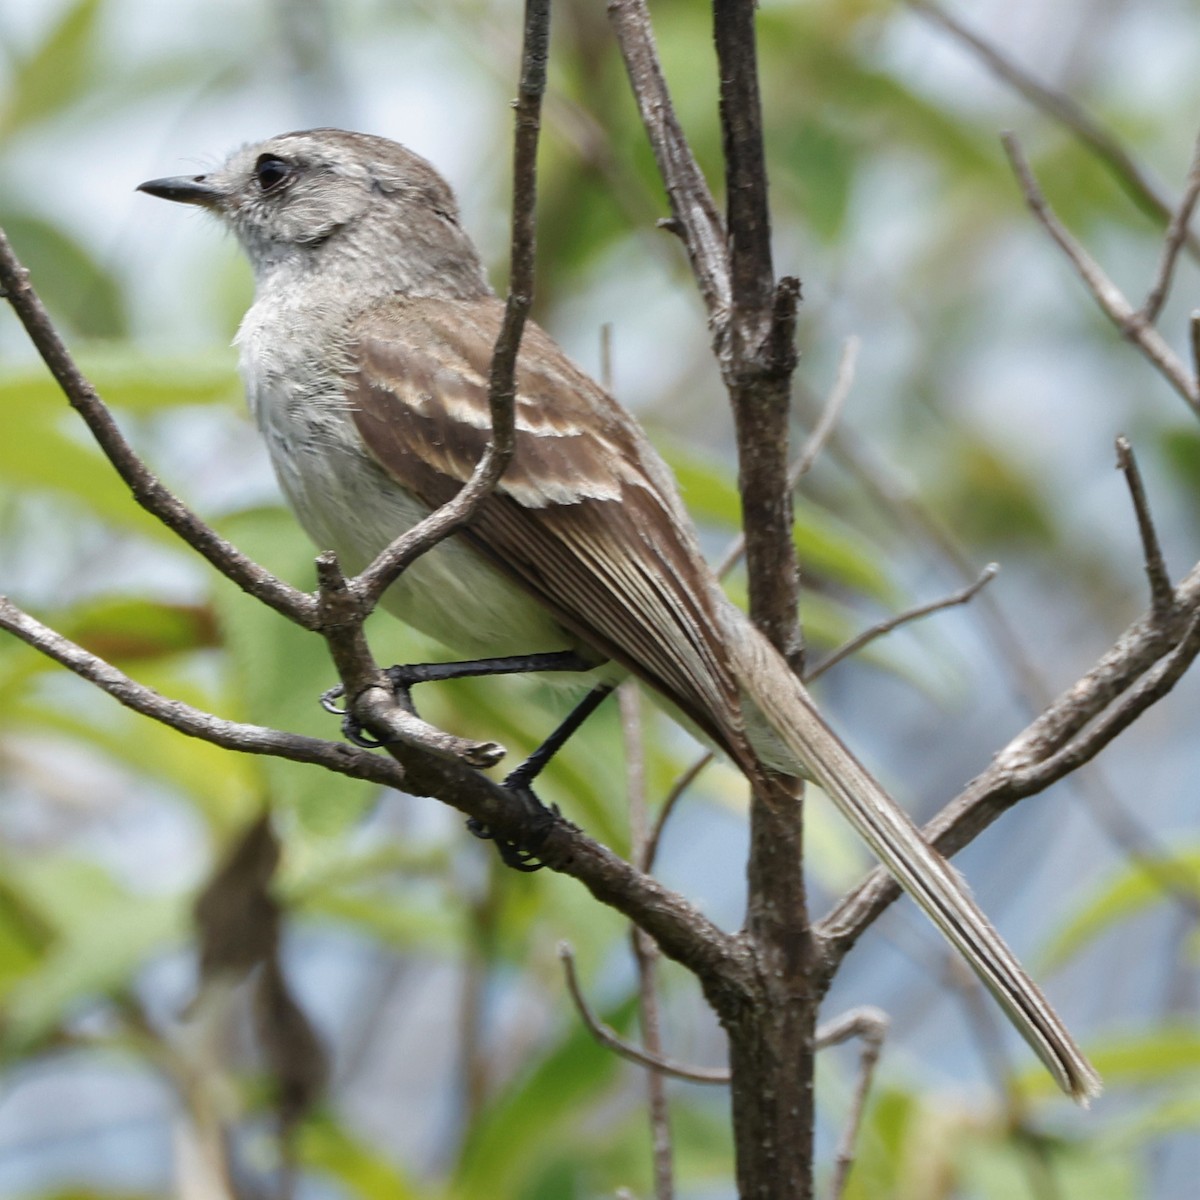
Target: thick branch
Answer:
pixel 683 932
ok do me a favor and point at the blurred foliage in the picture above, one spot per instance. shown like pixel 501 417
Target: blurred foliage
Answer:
pixel 896 201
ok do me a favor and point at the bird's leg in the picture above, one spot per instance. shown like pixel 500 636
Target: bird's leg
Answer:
pixel 405 677
pixel 520 781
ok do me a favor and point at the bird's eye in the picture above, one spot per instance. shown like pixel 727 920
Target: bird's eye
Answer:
pixel 271 172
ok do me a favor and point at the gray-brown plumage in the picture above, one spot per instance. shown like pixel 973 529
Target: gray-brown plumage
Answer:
pixel 365 357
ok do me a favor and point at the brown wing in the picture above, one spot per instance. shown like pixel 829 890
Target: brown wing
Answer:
pixel 587 517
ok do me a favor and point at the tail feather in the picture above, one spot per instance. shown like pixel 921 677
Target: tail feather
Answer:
pixel 796 739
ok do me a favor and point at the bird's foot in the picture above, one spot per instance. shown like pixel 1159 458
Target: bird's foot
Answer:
pixel 521 856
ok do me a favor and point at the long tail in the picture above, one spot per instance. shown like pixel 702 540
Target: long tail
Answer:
pixel 798 741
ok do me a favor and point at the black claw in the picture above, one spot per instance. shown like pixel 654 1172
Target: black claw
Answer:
pixel 512 854
pixel 354 732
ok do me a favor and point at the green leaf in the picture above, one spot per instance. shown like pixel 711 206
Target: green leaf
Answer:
pixel 828 548
pixel 36 454
pixel 278 671
pixel 323 1145
pixel 1130 890
pixel 125 629
pixel 24 935
pixel 60 71
pixel 75 286
pixel 1163 1055
pixel 508 1144
pixel 103 935
pixel 1001 1168
pixel 128 379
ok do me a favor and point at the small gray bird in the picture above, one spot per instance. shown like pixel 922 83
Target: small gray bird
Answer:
pixel 365 358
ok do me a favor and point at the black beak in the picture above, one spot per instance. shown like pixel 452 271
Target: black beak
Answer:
pixel 186 189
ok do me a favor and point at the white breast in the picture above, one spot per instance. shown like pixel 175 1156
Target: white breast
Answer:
pixel 347 503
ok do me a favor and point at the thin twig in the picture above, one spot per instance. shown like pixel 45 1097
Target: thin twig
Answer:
pixel 815 442
pixel 1177 232
pixel 1142 666
pixel 871 1026
pixel 231 735
pixel 1131 324
pixel 609 1038
pixel 694 213
pixel 1153 687
pixel 645 952
pixel 1144 191
pixel 895 497
pixel 842 384
pixel 855 644
pixel 673 797
pixel 388 566
pixel 1162 594
pixel 148 490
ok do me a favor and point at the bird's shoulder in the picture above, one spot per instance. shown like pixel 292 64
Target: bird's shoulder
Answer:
pixel 418 386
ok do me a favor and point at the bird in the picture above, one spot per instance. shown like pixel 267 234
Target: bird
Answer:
pixel 365 358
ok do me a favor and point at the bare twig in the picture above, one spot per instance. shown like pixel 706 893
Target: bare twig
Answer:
pixel 893 495
pixel 1143 665
pixel 871 1026
pixel 1140 187
pixel 855 644
pixel 232 735
pixel 1177 233
pixel 827 423
pixel 609 1038
pixel 644 950
pixel 694 213
pixel 148 490
pixel 388 566
pixel 1131 324
pixel 813 445
pixel 1162 595
pixel 673 797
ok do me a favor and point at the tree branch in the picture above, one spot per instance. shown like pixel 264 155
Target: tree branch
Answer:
pixel 439 525
pixel 854 645
pixel 231 735
pixel 1162 595
pixel 871 1026
pixel 1177 234
pixel 1141 667
pixel 694 213
pixel 609 1038
pixel 1137 184
pixel 1132 325
pixel 148 490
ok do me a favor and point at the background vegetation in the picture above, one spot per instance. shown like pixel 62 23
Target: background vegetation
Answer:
pixel 980 428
